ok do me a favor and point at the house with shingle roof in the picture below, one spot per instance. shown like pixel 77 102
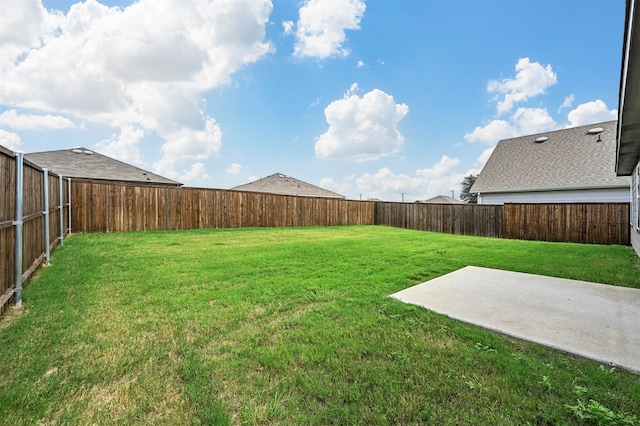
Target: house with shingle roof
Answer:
pixel 573 165
pixel 440 199
pixel 628 132
pixel 85 164
pixel 279 183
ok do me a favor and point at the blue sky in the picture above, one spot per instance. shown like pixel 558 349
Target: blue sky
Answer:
pixel 389 99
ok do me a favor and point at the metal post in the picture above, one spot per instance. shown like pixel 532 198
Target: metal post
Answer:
pixel 18 231
pixel 61 212
pixel 69 199
pixel 47 238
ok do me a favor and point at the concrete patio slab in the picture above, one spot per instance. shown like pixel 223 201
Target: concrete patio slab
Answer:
pixel 595 321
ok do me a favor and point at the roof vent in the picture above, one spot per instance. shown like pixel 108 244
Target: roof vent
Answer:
pixel 86 151
pixel 541 139
pixel 76 151
pixel 596 130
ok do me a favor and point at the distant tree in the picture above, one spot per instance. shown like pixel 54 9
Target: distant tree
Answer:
pixel 465 195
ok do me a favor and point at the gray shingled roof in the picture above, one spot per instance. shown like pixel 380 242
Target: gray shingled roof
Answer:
pixel 278 183
pixel 440 199
pixel 569 159
pixel 82 163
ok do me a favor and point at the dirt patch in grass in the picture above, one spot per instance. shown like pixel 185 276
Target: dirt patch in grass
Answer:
pixel 11 315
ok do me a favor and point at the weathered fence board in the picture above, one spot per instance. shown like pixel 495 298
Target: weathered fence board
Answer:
pixel 461 219
pixel 590 223
pixel 33 220
pixel 106 207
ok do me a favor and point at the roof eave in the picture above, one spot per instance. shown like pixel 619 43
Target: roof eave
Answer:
pixel 628 132
pixel 565 188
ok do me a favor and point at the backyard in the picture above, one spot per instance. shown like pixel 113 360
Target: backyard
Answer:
pixel 292 326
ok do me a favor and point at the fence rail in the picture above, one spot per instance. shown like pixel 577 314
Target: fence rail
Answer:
pixel 44 208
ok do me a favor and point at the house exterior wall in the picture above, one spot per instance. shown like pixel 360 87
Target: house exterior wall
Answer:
pixel 634 232
pixel 603 195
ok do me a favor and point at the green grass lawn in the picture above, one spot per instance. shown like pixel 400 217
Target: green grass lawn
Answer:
pixel 292 326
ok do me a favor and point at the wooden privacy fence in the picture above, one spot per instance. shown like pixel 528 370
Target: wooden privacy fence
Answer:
pixel 34 217
pixel 104 207
pixel 589 223
pixel 461 219
pixel 108 207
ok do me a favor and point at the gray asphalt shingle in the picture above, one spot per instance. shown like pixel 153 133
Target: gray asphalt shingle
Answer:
pixel 278 183
pixel 83 163
pixel 568 159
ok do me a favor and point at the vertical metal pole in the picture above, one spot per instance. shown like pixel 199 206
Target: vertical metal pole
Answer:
pixel 18 231
pixel 61 212
pixel 47 237
pixel 69 199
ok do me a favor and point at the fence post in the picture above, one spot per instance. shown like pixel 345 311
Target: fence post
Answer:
pixel 18 231
pixel 69 199
pixel 47 238
pixel 61 211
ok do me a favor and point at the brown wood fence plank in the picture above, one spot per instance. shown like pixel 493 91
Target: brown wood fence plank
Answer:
pixel 143 208
pixel 33 221
pixel 588 223
pixel 104 207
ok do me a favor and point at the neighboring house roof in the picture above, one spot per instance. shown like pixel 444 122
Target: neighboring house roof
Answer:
pixel 628 141
pixel 440 199
pixel 568 159
pixel 278 183
pixel 82 163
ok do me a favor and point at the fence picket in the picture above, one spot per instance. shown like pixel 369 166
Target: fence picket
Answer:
pixel 24 240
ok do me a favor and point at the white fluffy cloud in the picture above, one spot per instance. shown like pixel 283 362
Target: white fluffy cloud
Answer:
pixel 361 128
pixel 531 79
pixel 591 112
pixel 533 120
pixel 568 102
pixel 24 24
pixel 492 132
pixel 332 185
pixel 123 146
pixel 10 140
pixel 287 27
pixel 188 144
pixel 143 67
pixel 12 119
pixel 440 179
pixel 233 169
pixel 197 171
pixel 440 169
pixel 320 30
pixel 524 121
